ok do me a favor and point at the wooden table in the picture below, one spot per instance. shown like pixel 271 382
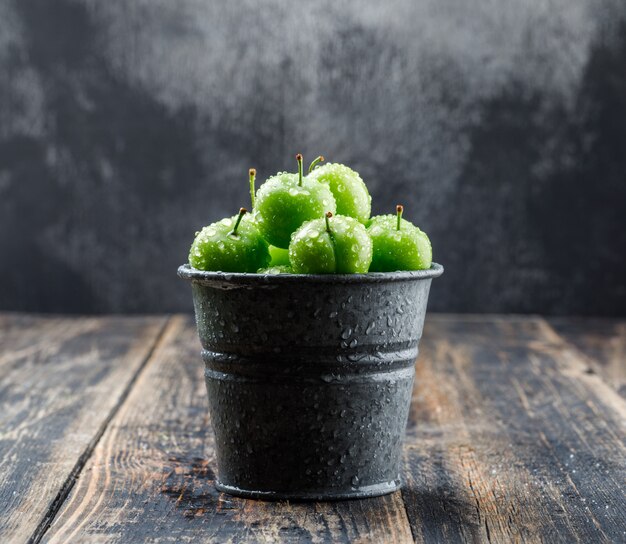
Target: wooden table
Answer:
pixel 516 433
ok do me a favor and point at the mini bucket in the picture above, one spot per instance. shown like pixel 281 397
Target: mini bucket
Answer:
pixel 309 378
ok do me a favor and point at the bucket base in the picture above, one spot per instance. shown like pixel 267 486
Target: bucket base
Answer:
pixel 362 492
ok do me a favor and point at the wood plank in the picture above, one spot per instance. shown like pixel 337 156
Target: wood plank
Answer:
pixel 602 341
pixel 60 381
pixel 510 439
pixel 151 476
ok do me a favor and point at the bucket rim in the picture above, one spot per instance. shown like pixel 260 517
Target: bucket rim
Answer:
pixel 186 272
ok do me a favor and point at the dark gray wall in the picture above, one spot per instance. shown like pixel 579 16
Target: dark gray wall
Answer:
pixel 126 125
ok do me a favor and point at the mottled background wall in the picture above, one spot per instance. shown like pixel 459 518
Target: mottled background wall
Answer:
pixel 126 125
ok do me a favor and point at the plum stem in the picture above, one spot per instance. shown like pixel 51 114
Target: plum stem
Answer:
pixel 242 212
pixel 252 173
pixel 399 210
pixel 315 163
pixel 299 159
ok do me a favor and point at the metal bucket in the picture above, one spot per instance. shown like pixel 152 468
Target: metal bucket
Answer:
pixel 309 378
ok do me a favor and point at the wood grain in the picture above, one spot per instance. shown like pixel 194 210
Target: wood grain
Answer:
pixel 603 344
pixel 151 476
pixel 60 381
pixel 511 440
pixel 104 437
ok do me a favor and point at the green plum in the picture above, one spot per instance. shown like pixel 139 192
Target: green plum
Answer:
pixel 331 245
pixel 285 201
pixel 279 256
pixel 349 190
pixel 278 269
pixel 230 245
pixel 398 244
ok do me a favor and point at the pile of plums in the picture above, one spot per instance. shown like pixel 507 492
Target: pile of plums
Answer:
pixel 314 224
